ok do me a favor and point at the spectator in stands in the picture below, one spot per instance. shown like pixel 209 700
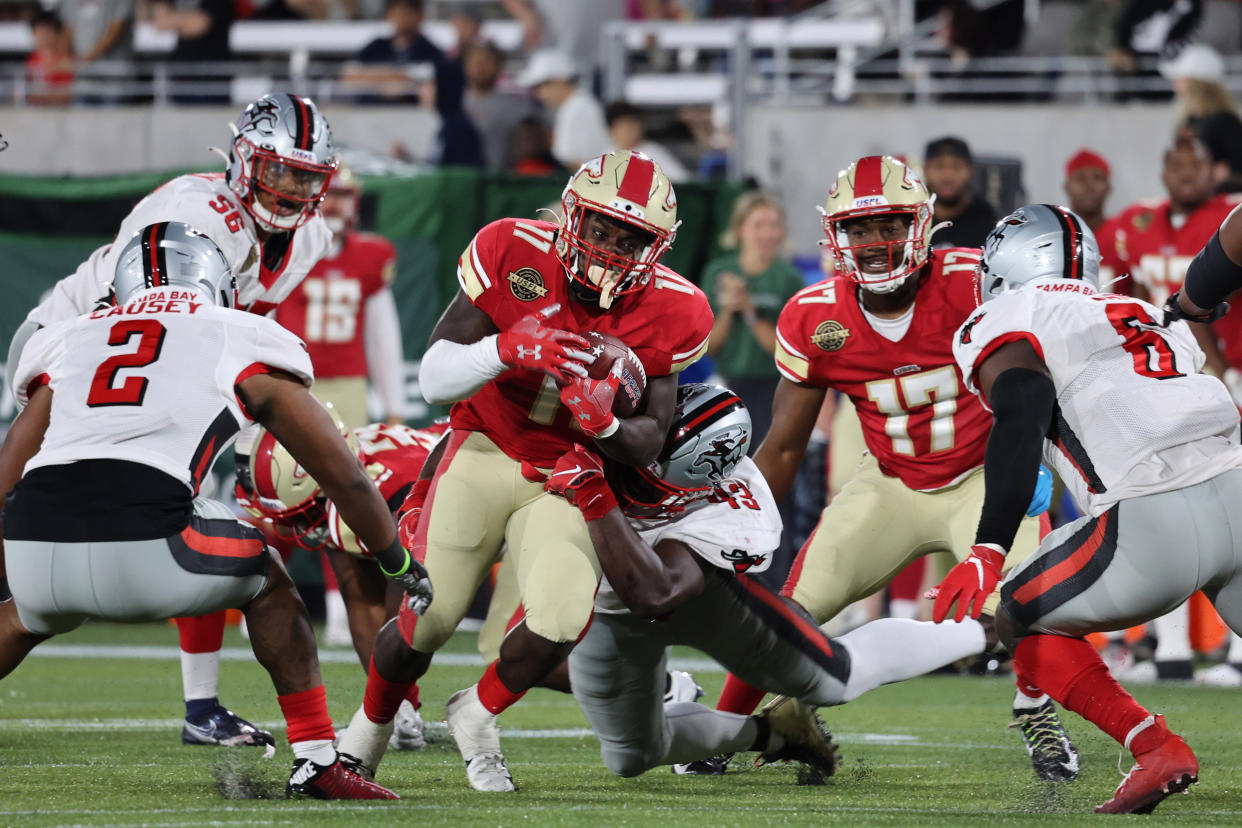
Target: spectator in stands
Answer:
pixel 202 29
pixel 531 152
pixel 100 30
pixel 49 67
pixel 467 22
pixel 747 288
pixel 1208 111
pixel 578 128
pixel 1088 183
pixel 625 125
pixel 495 114
pixel 388 68
pixel 1152 27
pixel 949 172
pixel 573 28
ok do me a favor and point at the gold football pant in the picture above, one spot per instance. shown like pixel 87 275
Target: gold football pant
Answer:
pixel 348 395
pixel 479 501
pixel 876 525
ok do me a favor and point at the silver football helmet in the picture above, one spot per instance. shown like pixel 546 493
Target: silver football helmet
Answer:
pixel 709 437
pixel 281 160
pixel 1035 242
pixel 174 253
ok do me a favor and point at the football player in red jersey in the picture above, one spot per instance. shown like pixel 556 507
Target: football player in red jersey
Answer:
pixel 263 214
pixel 507 353
pixel 881 332
pixel 345 313
pixel 1154 242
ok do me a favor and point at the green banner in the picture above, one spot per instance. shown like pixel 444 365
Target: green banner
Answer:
pixel 430 218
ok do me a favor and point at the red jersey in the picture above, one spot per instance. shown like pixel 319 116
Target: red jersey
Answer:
pixel 511 270
pixel 918 419
pixel 327 309
pixel 393 456
pixel 1142 241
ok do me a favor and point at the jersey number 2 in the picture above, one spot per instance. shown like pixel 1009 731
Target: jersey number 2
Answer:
pixel 1152 355
pixel 133 389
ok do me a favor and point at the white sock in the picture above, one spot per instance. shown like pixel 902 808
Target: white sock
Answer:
pixel 1235 648
pixel 1021 701
pixel 365 739
pixel 1173 634
pixel 896 649
pixel 319 751
pixel 904 608
pixel 697 732
pixel 200 675
pixel 334 609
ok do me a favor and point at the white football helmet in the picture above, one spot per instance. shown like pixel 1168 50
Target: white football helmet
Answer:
pixel 1035 243
pixel 879 185
pixel 174 253
pixel 283 150
pixel 708 438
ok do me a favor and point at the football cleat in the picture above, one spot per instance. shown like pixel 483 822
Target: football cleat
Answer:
pixel 680 686
pixel 333 781
pixel 474 729
pixel 1169 769
pixel 224 727
pixel 807 739
pixel 408 729
pixel 1053 755
pixel 353 764
pixel 1222 675
pixel 711 766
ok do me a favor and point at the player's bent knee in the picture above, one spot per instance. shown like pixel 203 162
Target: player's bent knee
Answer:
pixel 1009 631
pixel 560 620
pixel 625 763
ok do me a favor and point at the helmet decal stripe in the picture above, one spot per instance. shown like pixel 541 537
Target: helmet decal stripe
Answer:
pixel 154 264
pixel 636 182
pixel 869 177
pixel 303 137
pixel 1071 244
pixel 703 419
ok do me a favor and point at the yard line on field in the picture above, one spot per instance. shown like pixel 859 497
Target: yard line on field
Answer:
pixel 160 652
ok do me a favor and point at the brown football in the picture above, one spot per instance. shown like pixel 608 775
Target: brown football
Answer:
pixel 608 349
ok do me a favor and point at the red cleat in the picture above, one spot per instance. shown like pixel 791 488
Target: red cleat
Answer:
pixel 1168 769
pixel 333 781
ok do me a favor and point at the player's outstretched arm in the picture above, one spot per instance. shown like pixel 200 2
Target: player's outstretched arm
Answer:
pixel 1213 274
pixel 1016 384
pixel 795 407
pixel 20 444
pixel 650 582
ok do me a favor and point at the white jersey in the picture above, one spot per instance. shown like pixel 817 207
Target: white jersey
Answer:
pixel 205 202
pixel 152 381
pixel 1134 414
pixel 736 529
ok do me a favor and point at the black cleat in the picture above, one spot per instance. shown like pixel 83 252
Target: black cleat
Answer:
pixel 1053 755
pixel 224 727
pixel 711 766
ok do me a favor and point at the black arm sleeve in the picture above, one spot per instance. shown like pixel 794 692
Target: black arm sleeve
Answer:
pixel 1023 402
pixel 1212 275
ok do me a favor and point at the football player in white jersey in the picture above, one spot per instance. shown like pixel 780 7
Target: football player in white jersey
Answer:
pixel 127 407
pixel 1112 392
pixel 696 526
pixel 262 212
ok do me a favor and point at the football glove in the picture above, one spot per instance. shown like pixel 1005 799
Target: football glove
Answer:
pixel 1173 311
pixel 413 578
pixel 969 583
pixel 1042 498
pixel 410 511
pixel 590 400
pixel 578 476
pixel 530 345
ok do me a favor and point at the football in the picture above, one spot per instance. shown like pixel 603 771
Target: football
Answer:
pixel 608 349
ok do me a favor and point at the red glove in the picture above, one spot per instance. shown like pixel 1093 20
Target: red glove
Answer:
pixel 969 583
pixel 528 344
pixel 409 512
pixel 590 400
pixel 578 476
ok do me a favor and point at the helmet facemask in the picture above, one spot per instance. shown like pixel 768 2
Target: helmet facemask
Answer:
pixel 644 493
pixel 596 271
pixel 287 183
pixel 904 255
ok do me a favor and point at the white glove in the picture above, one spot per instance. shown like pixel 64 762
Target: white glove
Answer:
pixel 1233 381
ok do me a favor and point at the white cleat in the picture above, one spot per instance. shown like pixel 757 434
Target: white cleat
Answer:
pixel 408 729
pixel 1142 673
pixel 474 729
pixel 1222 675
pixel 680 686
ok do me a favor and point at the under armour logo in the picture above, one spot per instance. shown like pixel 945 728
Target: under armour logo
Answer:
pixel 530 353
pixel 576 401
